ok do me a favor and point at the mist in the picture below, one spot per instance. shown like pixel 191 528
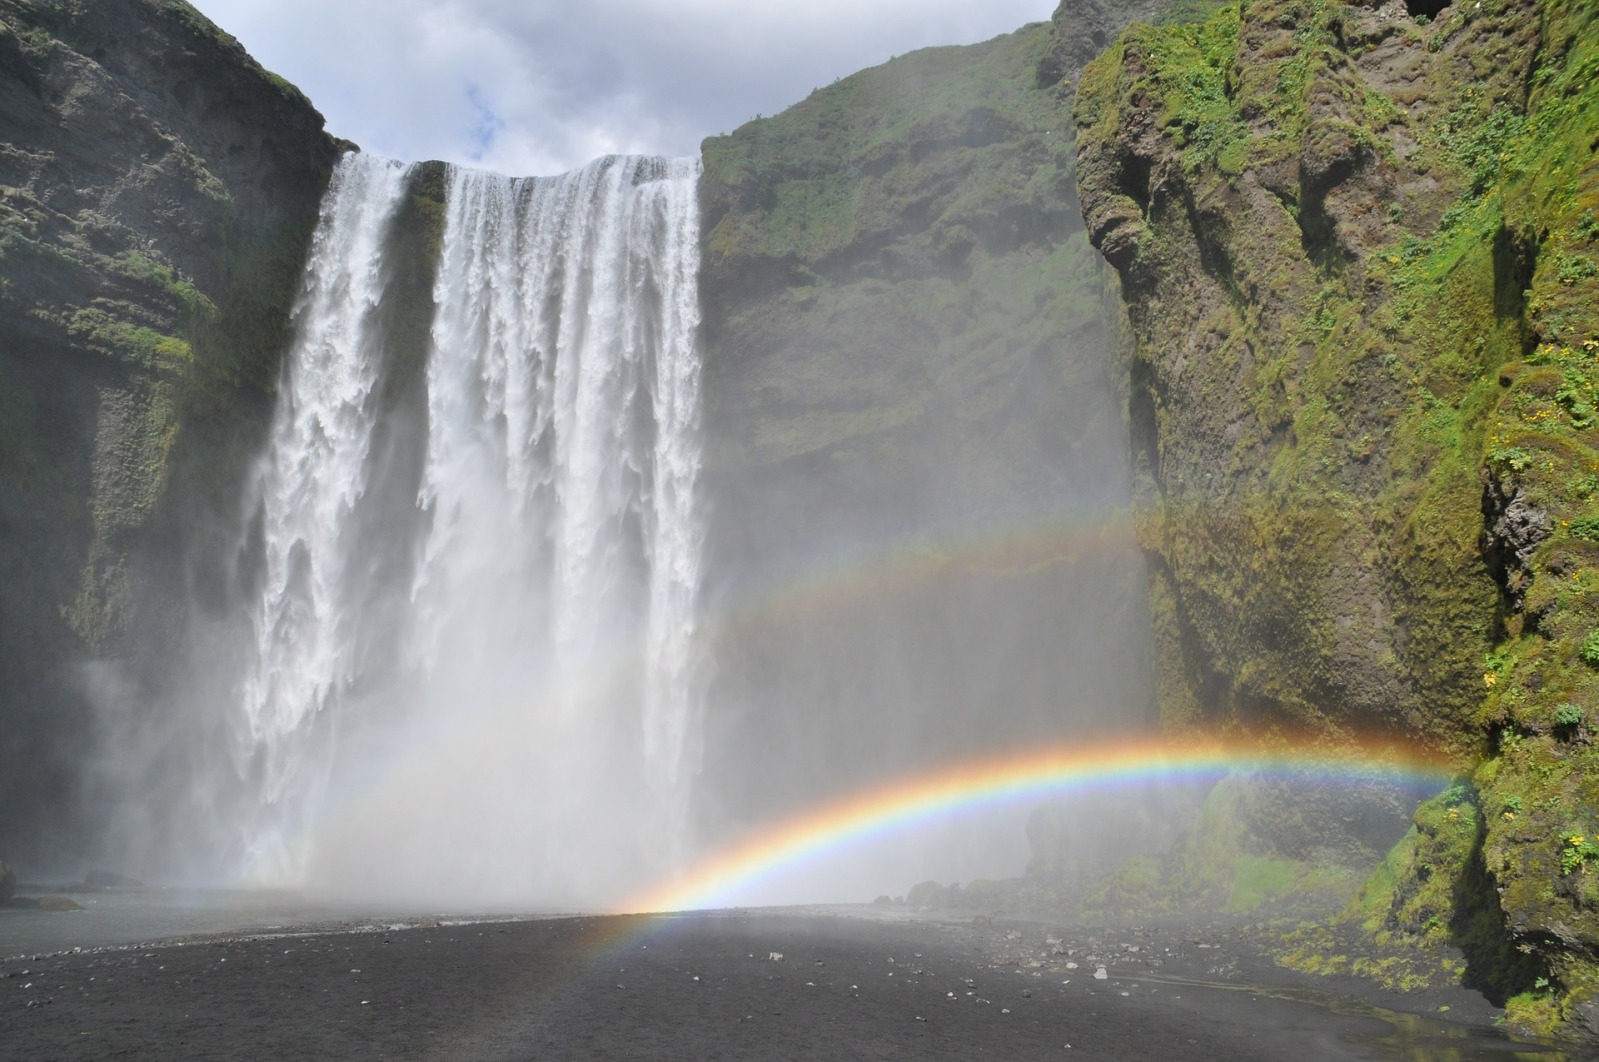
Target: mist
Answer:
pixel 562 569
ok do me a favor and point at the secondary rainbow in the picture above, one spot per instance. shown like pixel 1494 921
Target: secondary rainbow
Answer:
pixel 893 569
pixel 720 879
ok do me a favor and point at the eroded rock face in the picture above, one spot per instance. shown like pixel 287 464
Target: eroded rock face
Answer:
pixel 157 189
pixel 1316 552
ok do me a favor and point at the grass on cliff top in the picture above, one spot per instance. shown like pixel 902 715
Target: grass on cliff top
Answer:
pixel 880 106
pixel 1189 60
pixel 806 167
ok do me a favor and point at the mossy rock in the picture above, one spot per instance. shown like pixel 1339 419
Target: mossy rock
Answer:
pixel 1356 257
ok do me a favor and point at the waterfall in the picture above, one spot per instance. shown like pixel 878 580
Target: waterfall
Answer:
pixel 312 478
pixel 496 682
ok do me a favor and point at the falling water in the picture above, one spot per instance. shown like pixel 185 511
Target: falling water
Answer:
pixel 518 718
pixel 311 481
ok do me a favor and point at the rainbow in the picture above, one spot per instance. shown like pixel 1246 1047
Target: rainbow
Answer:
pixel 716 881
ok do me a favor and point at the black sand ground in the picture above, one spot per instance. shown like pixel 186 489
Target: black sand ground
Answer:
pixel 706 987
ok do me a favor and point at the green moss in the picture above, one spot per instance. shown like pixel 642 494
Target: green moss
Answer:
pixel 136 343
pixel 1261 878
pixel 1536 1011
pixel 810 181
pixel 157 273
pixel 1589 650
pixel 1188 60
pixel 1230 861
pixel 1539 446
pixel 1183 12
pixel 1426 915
pixel 1393 489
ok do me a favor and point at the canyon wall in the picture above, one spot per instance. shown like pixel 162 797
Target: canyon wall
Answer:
pixel 1358 249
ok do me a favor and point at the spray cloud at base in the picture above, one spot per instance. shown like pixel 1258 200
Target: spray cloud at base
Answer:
pixel 515 630
pixel 479 491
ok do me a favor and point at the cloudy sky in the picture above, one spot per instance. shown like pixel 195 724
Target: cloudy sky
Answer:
pixel 541 86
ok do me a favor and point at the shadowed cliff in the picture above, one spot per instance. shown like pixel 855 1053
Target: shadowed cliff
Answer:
pixel 915 446
pixel 157 192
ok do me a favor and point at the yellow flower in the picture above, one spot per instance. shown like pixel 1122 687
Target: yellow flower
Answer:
pixel 1489 678
pixel 1574 840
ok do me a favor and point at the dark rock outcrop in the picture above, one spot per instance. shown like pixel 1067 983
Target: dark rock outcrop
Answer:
pixel 157 192
pixel 1512 532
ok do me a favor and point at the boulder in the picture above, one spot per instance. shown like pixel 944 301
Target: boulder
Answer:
pixel 58 903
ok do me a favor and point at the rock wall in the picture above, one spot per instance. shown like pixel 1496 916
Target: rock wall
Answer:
pixel 915 442
pixel 1357 247
pixel 157 190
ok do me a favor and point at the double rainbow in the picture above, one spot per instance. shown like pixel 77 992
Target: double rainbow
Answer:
pixel 720 879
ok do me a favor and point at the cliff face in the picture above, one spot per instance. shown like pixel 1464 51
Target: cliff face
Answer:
pixel 157 192
pixel 914 429
pixel 1358 251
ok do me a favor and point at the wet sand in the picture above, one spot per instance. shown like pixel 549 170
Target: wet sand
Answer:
pixel 849 983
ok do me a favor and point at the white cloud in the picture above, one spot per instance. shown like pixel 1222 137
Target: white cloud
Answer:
pixel 540 86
